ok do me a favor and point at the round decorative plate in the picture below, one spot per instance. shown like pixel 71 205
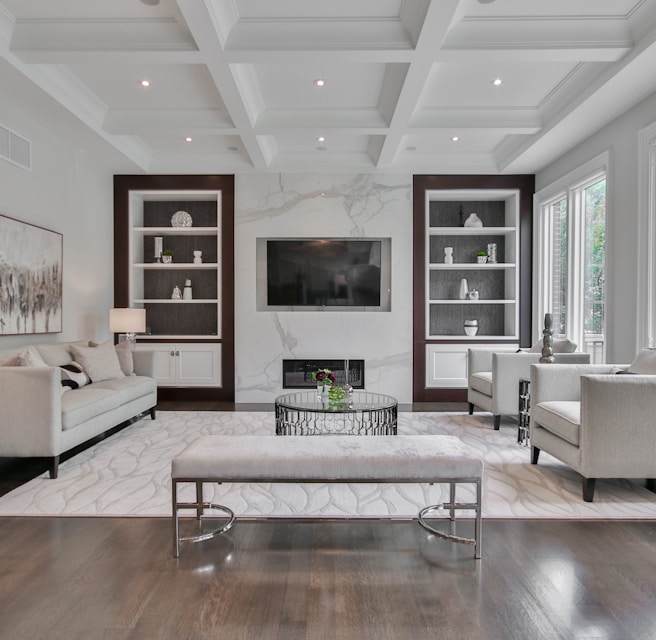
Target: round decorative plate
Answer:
pixel 181 219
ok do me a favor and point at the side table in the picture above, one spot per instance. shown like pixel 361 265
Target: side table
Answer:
pixel 524 416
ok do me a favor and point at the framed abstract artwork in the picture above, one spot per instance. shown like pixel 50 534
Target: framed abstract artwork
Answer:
pixel 30 278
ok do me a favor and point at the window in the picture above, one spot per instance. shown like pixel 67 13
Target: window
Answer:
pixel 571 258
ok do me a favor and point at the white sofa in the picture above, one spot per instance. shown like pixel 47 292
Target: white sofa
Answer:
pixel 41 419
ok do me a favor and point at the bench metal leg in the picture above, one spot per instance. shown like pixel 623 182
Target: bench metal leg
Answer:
pixel 199 506
pixel 452 505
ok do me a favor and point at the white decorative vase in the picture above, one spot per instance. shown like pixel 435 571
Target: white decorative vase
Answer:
pixel 198 257
pixel 471 327
pixel 464 289
pixel 473 221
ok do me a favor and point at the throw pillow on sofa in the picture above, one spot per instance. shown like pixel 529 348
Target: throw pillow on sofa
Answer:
pixel 73 376
pixel 30 358
pixel 100 362
pixel 124 354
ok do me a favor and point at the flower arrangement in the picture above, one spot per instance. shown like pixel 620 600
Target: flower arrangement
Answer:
pixel 324 376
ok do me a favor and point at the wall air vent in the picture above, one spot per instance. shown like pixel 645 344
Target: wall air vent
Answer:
pixel 15 149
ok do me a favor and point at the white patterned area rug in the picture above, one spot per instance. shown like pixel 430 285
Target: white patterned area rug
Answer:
pixel 128 474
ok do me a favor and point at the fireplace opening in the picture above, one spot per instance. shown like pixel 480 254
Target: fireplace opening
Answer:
pixel 297 374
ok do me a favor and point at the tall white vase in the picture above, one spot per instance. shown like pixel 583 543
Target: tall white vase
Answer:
pixel 464 289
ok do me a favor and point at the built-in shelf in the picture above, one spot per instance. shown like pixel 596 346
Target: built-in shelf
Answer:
pixel 177 231
pixel 176 265
pixel 442 204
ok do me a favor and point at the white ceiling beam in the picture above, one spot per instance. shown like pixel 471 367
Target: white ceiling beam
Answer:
pixel 435 28
pixel 200 21
pixel 516 120
pixel 278 119
pixel 131 121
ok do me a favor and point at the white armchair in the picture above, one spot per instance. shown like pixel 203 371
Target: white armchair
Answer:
pixel 493 377
pixel 601 425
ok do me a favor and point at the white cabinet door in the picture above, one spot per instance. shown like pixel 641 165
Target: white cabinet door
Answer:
pixel 164 363
pixel 186 364
pixel 198 365
pixel 446 364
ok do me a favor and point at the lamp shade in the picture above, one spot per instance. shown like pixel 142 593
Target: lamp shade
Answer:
pixel 127 320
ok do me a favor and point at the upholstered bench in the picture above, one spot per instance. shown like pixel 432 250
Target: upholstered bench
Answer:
pixel 335 458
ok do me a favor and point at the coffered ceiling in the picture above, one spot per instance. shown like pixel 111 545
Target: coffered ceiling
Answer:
pixel 403 78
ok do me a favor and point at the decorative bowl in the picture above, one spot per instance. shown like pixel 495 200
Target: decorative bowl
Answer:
pixel 181 219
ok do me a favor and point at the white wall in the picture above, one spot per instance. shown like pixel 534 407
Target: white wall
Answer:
pixel 68 190
pixel 274 205
pixel 620 138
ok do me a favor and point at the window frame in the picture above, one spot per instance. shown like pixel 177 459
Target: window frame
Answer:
pixel 646 240
pixel 570 187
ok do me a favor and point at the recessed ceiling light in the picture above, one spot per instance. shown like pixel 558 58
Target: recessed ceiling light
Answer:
pixel 411 148
pixel 322 149
pixel 455 138
pixel 497 82
pixel 145 83
pixel 233 148
pixel 319 82
pixel 321 139
pixel 151 3
pixel 188 139
pixel 481 1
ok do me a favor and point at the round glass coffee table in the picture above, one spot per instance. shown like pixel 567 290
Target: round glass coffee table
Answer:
pixel 362 414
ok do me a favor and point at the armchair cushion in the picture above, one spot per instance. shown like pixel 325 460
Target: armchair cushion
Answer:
pixel 563 418
pixel 644 362
pixel 482 381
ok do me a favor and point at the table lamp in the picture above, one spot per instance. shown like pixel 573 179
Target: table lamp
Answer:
pixel 127 323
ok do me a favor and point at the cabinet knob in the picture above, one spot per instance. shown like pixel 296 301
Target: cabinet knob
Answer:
pixel 177 353
pixel 172 353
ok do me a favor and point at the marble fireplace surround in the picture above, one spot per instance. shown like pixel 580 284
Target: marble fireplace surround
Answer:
pixel 346 205
pixel 297 374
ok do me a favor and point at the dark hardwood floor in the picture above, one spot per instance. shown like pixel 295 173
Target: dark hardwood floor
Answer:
pixel 115 579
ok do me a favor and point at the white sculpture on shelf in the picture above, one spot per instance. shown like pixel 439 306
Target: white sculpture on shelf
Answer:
pixel 448 255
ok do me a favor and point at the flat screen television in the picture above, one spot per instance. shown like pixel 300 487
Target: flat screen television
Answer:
pixel 308 274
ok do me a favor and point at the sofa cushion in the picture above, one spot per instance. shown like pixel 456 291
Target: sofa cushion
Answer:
pixel 81 405
pixel 128 388
pixel 644 362
pixel 481 381
pixel 100 362
pixel 560 345
pixel 560 417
